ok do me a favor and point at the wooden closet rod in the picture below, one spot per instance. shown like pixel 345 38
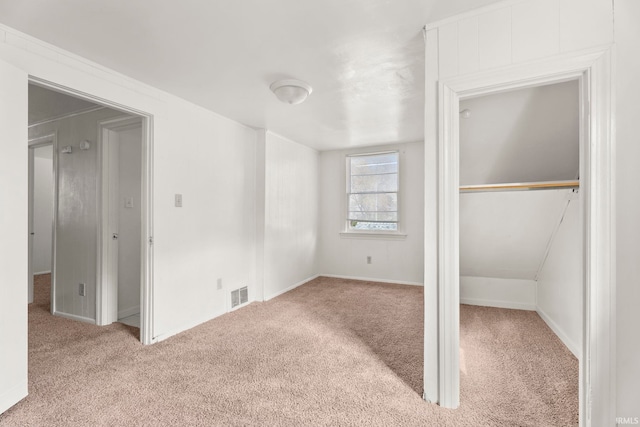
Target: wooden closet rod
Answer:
pixel 523 186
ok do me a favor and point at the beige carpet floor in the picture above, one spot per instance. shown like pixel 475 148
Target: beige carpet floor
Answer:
pixel 331 352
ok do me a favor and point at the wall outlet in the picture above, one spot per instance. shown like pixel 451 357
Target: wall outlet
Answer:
pixel 178 200
pixel 368 259
pixel 219 284
pixel 82 290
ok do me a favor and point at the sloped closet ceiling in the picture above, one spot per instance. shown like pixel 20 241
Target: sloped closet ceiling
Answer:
pixel 521 136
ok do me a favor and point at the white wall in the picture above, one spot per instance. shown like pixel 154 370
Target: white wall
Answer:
pixel 505 234
pixel 559 292
pixel 291 215
pixel 498 292
pixel 14 231
pixel 76 228
pixel 392 259
pixel 42 208
pixel 129 221
pixel 627 33
pixel 204 156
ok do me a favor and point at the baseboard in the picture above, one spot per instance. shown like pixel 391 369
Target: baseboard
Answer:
pixel 498 304
pixel 186 327
pixel 128 312
pixel 573 348
pixel 372 279
pixel 74 317
pixel 14 395
pixel 42 272
pixel 292 287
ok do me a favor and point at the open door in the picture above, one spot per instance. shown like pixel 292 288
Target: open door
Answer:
pixel 14 232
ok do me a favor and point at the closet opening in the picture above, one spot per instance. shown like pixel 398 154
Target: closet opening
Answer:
pixel 520 251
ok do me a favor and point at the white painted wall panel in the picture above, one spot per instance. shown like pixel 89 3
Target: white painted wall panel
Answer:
pixel 560 281
pixel 498 292
pixel 42 209
pixel 211 162
pixel 14 231
pixel 585 23
pixel 494 38
pixel 536 30
pixel 627 206
pixel 291 214
pixel 505 234
pixel 468 55
pixel 392 260
pixel 448 37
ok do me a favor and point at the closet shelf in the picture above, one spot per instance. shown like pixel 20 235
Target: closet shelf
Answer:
pixel 522 186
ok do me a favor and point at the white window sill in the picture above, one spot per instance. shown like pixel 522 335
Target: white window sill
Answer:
pixel 372 235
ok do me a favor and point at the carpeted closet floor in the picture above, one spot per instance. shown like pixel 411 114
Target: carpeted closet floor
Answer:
pixel 331 352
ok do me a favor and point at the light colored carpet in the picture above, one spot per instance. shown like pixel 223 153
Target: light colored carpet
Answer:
pixel 331 352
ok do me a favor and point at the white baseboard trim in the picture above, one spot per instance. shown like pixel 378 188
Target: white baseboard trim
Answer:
pixel 573 348
pixel 290 288
pixel 373 279
pixel 42 272
pixel 498 304
pixel 128 312
pixel 185 327
pixel 14 395
pixel 74 317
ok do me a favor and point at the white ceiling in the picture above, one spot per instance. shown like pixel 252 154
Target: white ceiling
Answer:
pixel 525 135
pixel 45 104
pixel 364 58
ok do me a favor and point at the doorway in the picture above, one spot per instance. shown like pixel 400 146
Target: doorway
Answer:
pixel 520 252
pixel 41 210
pixel 592 70
pixel 121 152
pixel 87 196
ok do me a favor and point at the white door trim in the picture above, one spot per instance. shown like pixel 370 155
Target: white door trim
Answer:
pixel 146 315
pixel 43 141
pixel 597 366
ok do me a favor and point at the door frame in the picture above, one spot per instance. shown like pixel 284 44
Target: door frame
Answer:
pixel 107 297
pixel 43 141
pixel 146 267
pixel 593 69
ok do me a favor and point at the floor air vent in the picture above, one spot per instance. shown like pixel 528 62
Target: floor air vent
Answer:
pixel 239 296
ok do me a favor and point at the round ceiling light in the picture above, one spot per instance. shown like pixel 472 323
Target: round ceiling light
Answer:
pixel 291 91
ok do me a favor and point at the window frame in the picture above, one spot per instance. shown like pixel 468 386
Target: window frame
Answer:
pixel 347 231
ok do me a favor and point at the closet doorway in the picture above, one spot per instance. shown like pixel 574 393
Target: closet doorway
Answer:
pixel 593 72
pixel 520 250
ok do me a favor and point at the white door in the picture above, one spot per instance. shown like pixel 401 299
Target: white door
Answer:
pixel 30 225
pixel 14 231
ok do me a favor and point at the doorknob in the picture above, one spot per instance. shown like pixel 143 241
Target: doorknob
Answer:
pixel 115 236
pixel 32 233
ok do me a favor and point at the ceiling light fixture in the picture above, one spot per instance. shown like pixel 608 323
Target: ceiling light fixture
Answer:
pixel 291 91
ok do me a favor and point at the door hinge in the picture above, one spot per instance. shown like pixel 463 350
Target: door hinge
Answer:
pixel 151 240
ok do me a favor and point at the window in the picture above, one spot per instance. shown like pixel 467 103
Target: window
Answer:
pixel 372 192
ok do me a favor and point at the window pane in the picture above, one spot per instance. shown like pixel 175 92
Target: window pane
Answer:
pixel 374 183
pixel 375 164
pixel 373 207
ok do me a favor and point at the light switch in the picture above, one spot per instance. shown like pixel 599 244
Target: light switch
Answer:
pixel 178 200
pixel 128 202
